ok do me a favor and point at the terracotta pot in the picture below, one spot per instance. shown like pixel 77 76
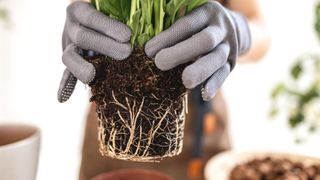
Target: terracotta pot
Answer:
pixel 132 174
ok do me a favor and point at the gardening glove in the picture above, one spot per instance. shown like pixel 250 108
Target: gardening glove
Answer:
pixel 88 29
pixel 211 36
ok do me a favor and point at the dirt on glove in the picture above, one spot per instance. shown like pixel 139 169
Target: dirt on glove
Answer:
pixel 140 108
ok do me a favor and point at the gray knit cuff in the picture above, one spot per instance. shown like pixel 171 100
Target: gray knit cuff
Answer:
pixel 243 32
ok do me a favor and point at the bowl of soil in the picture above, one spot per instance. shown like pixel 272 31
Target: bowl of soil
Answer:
pixel 262 165
pixel 132 174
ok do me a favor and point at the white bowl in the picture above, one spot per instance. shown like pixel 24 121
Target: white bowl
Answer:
pixel 19 151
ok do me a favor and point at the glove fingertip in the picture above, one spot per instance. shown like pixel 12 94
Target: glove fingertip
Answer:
pixel 149 50
pixel 61 99
pixel 188 78
pixel 66 87
pixel 207 97
pixel 208 93
pixel 126 35
pixel 161 64
pixel 124 53
pixel 88 74
pixel 122 33
pixel 63 96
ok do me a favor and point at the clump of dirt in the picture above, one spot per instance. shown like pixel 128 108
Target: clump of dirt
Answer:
pixel 275 169
pixel 140 108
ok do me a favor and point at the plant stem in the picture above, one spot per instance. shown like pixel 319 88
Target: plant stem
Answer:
pixel 159 15
pixel 132 11
pixel 146 18
pixel 97 5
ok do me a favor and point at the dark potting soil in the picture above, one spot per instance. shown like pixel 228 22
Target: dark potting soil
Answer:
pixel 139 106
pixel 275 169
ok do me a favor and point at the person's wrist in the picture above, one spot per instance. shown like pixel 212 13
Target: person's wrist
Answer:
pixel 243 32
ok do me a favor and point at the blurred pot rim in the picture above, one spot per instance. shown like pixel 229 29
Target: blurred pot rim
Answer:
pixel 134 170
pixel 220 166
pixel 33 137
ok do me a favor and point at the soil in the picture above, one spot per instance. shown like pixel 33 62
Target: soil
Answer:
pixel 140 108
pixel 275 169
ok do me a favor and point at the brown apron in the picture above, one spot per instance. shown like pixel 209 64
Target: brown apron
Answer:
pixel 181 167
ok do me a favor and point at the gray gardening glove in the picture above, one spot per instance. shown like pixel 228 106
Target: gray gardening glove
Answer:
pixel 88 29
pixel 212 37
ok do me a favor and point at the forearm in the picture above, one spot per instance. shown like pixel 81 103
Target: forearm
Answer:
pixel 260 41
pixel 260 38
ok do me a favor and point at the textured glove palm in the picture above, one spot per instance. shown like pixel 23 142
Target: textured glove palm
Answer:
pixel 86 28
pixel 212 37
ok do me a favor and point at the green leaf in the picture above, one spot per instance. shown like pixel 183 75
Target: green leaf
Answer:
pixel 125 9
pixel 119 9
pixel 172 10
pixel 133 9
pixel 273 112
pixel 312 93
pixel 312 128
pixel 146 18
pixel 317 23
pixel 159 16
pixel 147 9
pixel 149 30
pixel 296 70
pixel 195 3
pixel 317 63
pixel 280 88
pixel 135 26
pixel 3 14
pixel 142 39
pixel 296 119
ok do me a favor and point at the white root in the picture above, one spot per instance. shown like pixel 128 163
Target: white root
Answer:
pixel 140 141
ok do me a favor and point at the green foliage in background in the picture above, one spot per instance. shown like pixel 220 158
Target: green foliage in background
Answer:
pixel 317 24
pixel 299 96
pixel 296 99
pixel 146 18
pixel 3 14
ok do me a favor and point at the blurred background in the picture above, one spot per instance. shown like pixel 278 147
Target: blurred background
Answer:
pixel 31 68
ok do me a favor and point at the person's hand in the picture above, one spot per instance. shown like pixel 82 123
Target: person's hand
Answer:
pixel 212 36
pixel 88 29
